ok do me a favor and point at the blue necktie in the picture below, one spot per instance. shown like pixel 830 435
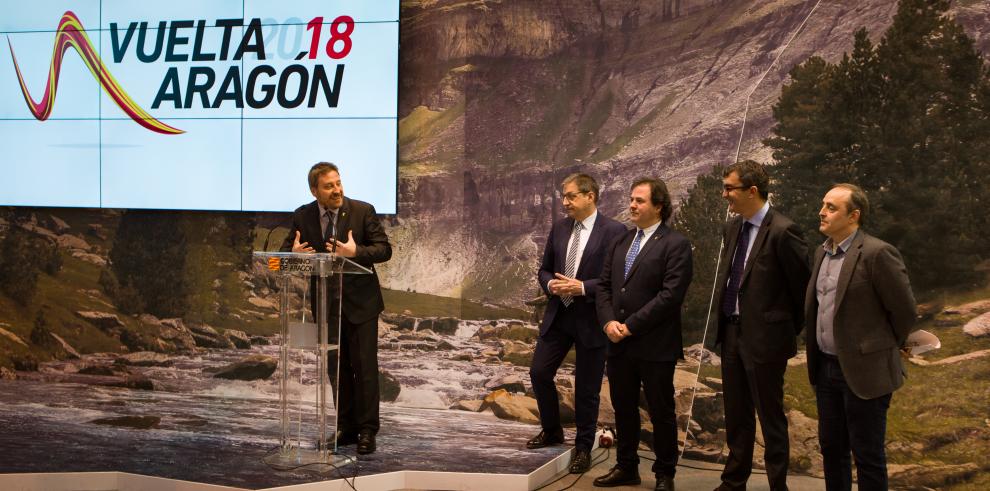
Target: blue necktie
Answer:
pixel 633 251
pixel 736 273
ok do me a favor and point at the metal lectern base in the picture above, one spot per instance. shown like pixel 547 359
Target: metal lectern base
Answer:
pixel 309 458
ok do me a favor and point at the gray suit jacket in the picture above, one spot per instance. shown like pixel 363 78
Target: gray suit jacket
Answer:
pixel 874 313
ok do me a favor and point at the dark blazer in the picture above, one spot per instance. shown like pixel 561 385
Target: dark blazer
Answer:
pixel 604 232
pixel 649 300
pixel 874 313
pixel 362 293
pixel 771 306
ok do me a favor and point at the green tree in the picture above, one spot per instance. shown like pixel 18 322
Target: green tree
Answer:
pixel 24 255
pixel 149 256
pixel 700 218
pixel 907 120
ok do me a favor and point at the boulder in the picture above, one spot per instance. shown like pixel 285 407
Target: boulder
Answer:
pixel 698 353
pixel 509 383
pixel 70 352
pixel 971 308
pixel 568 414
pixel 388 386
pixel 208 337
pixel 240 339
pixel 708 411
pixel 802 433
pixel 105 321
pixel 512 407
pixel 471 405
pixel 486 332
pixel 144 359
pixel 931 475
pixel 263 303
pixel 135 422
pixel 391 318
pixel 260 341
pixel 253 367
pixel 72 242
pixel 104 370
pixel 799 359
pixel 517 353
pixel 89 258
pixel 445 325
pixel 174 332
pixel 979 326
pixel 57 224
pixel 13 337
pixel 137 382
pixel 714 383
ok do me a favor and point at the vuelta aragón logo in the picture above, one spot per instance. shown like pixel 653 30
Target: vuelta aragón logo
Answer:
pixel 201 80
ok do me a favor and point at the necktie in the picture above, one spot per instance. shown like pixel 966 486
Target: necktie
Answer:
pixel 331 225
pixel 570 267
pixel 736 273
pixel 633 251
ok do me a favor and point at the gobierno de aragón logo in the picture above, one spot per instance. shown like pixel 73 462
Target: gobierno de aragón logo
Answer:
pixel 309 82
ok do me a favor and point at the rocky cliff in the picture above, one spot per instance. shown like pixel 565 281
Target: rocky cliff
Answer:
pixel 501 99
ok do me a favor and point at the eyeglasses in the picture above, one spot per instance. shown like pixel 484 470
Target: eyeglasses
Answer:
pixel 729 189
pixel 573 196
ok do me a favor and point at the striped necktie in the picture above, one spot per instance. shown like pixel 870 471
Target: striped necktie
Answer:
pixel 570 267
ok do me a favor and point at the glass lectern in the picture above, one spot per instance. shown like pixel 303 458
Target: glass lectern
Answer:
pixel 306 284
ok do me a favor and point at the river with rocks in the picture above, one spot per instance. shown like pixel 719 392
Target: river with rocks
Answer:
pixel 190 425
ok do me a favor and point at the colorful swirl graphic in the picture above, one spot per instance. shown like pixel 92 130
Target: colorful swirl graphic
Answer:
pixel 71 33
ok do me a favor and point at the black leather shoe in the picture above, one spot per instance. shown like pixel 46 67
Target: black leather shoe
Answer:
pixel 545 439
pixel 365 442
pixel 664 483
pixel 617 477
pixel 345 438
pixel 580 462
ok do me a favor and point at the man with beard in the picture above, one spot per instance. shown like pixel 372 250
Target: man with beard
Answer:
pixel 351 229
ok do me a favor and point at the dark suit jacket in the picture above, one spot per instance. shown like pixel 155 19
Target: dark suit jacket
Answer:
pixel 589 270
pixel 362 300
pixel 770 296
pixel 649 300
pixel 874 313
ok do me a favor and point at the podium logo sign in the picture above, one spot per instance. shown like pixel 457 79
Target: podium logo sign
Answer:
pixel 288 264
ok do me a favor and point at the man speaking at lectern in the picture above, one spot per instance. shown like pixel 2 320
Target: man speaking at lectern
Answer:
pixel 352 229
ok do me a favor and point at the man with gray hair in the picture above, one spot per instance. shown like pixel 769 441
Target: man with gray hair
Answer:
pixel 568 275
